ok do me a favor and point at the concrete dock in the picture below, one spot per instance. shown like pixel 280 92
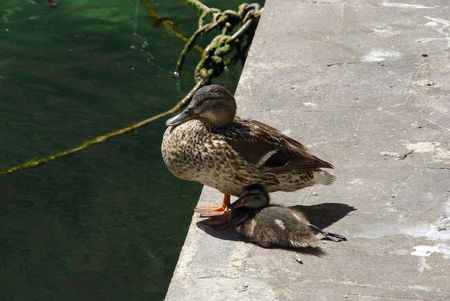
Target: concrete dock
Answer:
pixel 366 86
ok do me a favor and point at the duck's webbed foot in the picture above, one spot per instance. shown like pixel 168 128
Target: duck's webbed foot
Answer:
pixel 215 211
pixel 333 236
pixel 329 235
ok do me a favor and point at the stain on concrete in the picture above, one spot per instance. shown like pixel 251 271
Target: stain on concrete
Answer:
pixel 426 251
pixel 380 55
pixel 405 5
pixel 439 153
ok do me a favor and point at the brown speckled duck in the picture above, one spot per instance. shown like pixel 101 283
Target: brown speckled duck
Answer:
pixel 207 143
pixel 273 225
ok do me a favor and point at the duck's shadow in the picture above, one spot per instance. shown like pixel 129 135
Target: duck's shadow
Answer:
pixel 321 215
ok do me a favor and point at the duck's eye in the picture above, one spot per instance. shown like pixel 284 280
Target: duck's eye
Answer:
pixel 209 105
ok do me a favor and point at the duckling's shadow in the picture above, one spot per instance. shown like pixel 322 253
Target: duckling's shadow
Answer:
pixel 321 215
pixel 231 234
pixel 225 234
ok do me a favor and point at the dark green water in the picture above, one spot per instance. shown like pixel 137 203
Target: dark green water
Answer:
pixel 107 223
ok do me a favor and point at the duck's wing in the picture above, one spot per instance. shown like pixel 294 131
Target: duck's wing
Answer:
pixel 265 146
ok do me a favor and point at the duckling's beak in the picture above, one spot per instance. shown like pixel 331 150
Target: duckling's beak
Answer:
pixel 238 203
pixel 185 115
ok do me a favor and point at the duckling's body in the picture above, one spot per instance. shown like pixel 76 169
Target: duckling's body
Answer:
pixel 208 144
pixel 276 226
pixel 273 225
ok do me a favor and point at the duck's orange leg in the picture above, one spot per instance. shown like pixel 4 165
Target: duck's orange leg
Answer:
pixel 210 211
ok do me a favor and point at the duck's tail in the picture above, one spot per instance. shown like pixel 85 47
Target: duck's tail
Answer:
pixel 323 177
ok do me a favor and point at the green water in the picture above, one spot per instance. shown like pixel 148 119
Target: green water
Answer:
pixel 107 223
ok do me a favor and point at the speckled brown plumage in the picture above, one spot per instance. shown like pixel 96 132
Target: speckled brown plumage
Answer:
pixel 238 152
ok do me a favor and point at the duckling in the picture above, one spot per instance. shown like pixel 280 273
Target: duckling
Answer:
pixel 207 143
pixel 273 225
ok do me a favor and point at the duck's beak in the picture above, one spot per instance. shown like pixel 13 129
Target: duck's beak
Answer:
pixel 185 115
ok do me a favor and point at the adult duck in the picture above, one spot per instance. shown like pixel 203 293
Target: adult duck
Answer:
pixel 207 143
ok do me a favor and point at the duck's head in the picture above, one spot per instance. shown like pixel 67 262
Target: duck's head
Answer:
pixel 254 197
pixel 212 104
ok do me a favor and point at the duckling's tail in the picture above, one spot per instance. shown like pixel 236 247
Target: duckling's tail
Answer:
pixel 323 177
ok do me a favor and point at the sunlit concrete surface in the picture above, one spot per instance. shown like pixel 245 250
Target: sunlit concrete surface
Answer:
pixel 365 85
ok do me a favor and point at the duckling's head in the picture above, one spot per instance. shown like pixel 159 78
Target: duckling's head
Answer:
pixel 254 197
pixel 212 104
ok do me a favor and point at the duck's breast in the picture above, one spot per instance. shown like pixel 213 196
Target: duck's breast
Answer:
pixel 191 152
